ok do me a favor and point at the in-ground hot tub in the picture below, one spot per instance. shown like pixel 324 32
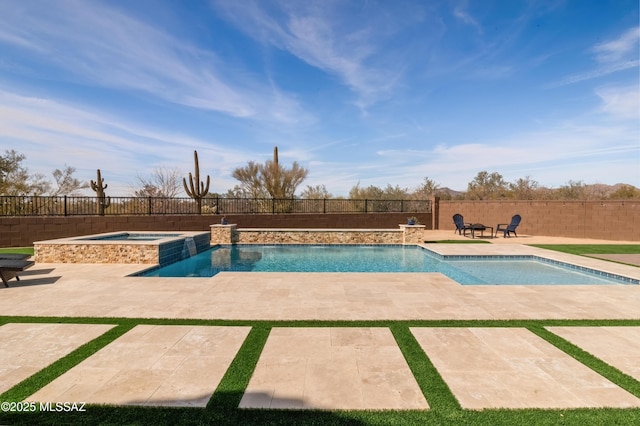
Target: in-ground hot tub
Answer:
pixel 149 247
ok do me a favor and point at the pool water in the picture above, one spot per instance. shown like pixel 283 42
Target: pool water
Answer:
pixel 524 270
pixel 130 237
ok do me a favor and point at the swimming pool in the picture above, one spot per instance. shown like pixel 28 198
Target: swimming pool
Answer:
pixel 492 270
pixel 129 236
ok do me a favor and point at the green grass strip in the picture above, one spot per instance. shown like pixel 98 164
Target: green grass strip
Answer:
pixel 433 387
pixel 582 249
pixel 20 250
pixel 233 384
pixel 30 385
pixel 524 323
pixel 472 241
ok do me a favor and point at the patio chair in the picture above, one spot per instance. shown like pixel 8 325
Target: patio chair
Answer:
pixel 461 227
pixel 508 228
pixel 9 268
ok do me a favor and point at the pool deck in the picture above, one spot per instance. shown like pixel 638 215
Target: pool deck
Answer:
pixel 327 368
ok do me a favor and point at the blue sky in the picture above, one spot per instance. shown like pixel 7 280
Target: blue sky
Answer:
pixel 369 92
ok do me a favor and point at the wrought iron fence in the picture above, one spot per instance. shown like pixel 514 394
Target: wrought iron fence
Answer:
pixel 121 206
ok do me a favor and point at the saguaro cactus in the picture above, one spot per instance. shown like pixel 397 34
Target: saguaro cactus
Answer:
pixel 196 189
pixel 103 201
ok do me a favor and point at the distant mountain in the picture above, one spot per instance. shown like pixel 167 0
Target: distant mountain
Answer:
pixel 602 190
pixel 446 192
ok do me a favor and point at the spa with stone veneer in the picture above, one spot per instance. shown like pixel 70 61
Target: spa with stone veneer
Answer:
pixel 123 247
pixel 165 247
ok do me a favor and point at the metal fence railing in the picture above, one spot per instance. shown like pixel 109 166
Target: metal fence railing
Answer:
pixel 121 206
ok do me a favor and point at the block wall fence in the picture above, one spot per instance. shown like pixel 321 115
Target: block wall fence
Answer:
pixel 607 220
pixel 23 231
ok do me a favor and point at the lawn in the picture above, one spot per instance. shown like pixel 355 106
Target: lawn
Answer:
pixel 21 250
pixel 594 249
pixel 585 249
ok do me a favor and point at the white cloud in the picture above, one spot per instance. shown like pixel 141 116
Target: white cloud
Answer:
pixel 619 49
pixel 54 134
pixel 566 151
pixel 612 56
pixel 461 12
pixel 100 45
pixel 344 43
pixel 621 102
pixel 599 72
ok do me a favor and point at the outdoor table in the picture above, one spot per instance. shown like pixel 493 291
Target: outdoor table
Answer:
pixel 480 227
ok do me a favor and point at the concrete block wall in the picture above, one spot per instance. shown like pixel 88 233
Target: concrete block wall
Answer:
pixel 24 231
pixel 608 220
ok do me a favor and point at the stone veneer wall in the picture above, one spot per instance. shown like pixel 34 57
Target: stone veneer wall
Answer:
pixel 93 253
pixel 116 251
pixel 412 234
pixel 230 234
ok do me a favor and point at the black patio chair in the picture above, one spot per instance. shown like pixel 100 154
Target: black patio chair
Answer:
pixel 461 227
pixel 508 228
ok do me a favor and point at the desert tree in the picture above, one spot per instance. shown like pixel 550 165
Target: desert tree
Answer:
pixel 271 178
pixel 427 189
pixel 279 181
pixel 572 190
pixel 524 189
pixel 625 192
pixel 66 183
pixel 315 192
pixel 164 182
pixel 486 186
pixel 373 192
pixel 15 178
pixel 250 181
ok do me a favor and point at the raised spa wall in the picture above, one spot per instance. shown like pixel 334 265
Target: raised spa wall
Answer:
pixel 77 250
pixel 230 234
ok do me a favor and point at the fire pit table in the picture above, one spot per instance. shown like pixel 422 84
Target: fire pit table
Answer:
pixel 480 227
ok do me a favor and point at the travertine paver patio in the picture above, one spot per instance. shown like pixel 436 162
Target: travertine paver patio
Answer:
pixel 151 365
pixel 106 291
pixel 28 348
pixel 617 346
pixel 333 368
pixel 514 368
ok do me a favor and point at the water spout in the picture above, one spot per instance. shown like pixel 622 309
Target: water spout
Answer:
pixel 189 248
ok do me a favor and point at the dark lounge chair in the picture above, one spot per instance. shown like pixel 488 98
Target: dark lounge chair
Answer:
pixel 508 228
pixel 461 227
pixel 9 268
pixel 14 256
